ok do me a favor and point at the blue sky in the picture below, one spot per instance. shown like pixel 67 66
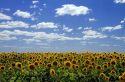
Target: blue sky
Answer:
pixel 65 25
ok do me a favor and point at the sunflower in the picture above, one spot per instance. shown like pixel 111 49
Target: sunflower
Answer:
pixel 18 65
pixel 74 62
pixel 85 69
pixel 102 75
pixel 123 64
pixel 36 63
pixel 55 63
pixel 76 66
pixel 87 62
pixel 123 75
pixel 105 66
pixel 10 68
pixel 113 62
pixel 68 64
pixel 98 67
pixel 90 67
pixel 106 78
pixel 73 66
pixel 2 67
pixel 31 66
pixel 113 72
pixel 52 72
pixel 13 64
pixel 49 65
pixel 121 78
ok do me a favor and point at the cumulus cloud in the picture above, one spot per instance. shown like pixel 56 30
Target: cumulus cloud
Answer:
pixel 38 36
pixel 67 29
pixel 44 5
pixel 87 42
pixel 119 1
pixel 14 24
pixel 71 9
pixel 22 14
pixel 91 34
pixel 34 2
pixel 111 28
pixel 4 9
pixel 5 17
pixel 79 28
pixel 92 19
pixel 122 21
pixel 34 6
pixel 45 25
pixel 6 37
pixel 118 37
pixel 87 28
pixel 109 45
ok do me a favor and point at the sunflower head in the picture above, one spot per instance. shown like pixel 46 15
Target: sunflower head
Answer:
pixel 113 62
pixel 98 67
pixel 13 64
pixel 31 66
pixel 18 65
pixel 105 66
pixel 87 62
pixel 121 78
pixel 2 67
pixel 123 75
pixel 36 63
pixel 55 63
pixel 113 72
pixel 52 72
pixel 90 67
pixel 68 64
pixel 74 62
pixel 49 65
pixel 123 64
pixel 106 78
pixel 102 75
pixel 76 66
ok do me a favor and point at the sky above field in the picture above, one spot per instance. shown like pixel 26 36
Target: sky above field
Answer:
pixel 62 25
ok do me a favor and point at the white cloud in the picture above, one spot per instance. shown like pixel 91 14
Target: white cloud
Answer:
pixel 4 17
pixel 67 29
pixel 71 9
pixel 118 38
pixel 90 34
pixel 111 28
pixel 92 19
pixel 87 28
pixel 14 24
pixel 53 37
pixel 33 6
pixel 45 25
pixel 44 5
pixel 38 36
pixel 6 37
pixel 4 9
pixel 87 42
pixel 34 2
pixel 22 14
pixel 79 28
pixel 122 21
pixel 56 30
pixel 109 45
pixel 119 1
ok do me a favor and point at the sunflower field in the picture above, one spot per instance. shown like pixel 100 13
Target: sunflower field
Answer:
pixel 62 67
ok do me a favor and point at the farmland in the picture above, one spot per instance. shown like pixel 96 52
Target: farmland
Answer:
pixel 62 67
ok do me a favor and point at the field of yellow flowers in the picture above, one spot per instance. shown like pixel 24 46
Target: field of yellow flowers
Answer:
pixel 62 67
